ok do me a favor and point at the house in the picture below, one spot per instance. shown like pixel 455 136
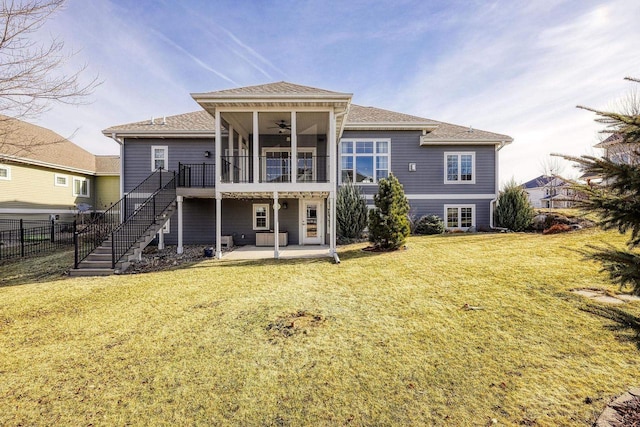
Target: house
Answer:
pixel 261 165
pixel 549 192
pixel 618 151
pixel 45 176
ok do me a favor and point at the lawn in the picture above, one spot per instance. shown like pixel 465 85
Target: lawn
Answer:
pixel 380 339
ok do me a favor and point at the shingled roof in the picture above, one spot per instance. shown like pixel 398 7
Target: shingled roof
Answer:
pixel 195 122
pixel 279 88
pixel 26 142
pixel 360 114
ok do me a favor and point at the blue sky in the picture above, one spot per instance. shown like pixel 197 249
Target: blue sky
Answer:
pixel 513 67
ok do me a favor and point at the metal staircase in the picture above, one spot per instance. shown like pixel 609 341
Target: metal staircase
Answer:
pixel 111 241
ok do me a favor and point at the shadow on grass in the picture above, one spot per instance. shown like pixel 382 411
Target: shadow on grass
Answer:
pixel 623 321
pixel 48 267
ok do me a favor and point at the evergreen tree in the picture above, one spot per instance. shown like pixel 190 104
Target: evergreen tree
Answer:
pixel 389 222
pixel 513 210
pixel 351 211
pixel 617 199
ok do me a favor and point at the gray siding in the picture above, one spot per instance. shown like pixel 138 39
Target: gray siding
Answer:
pixel 199 221
pixel 421 208
pixel 137 156
pixel 430 164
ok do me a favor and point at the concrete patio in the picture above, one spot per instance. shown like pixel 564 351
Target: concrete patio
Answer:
pixel 286 252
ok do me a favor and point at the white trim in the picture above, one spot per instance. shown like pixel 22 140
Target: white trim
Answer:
pixel 457 206
pixel 73 189
pixel 254 217
pixel 72 210
pixel 320 218
pixel 459 180
pixel 443 196
pixel 46 164
pixel 8 169
pixel 390 126
pixel 311 150
pixel 355 155
pixel 425 140
pixel 165 158
pixel 58 175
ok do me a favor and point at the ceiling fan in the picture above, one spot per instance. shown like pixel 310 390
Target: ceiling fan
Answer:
pixel 282 126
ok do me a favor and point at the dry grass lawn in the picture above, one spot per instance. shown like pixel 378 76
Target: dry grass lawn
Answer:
pixel 381 339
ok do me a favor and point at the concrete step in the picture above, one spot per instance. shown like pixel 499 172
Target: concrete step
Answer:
pixel 86 264
pixel 86 272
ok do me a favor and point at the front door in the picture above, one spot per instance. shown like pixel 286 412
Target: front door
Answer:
pixel 312 228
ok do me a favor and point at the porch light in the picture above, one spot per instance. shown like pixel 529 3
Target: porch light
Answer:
pixel 207 153
pixel 285 205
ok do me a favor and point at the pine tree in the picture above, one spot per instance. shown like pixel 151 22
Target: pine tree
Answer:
pixel 617 199
pixel 389 222
pixel 351 211
pixel 513 210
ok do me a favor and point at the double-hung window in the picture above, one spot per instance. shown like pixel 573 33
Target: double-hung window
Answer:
pixel 81 187
pixel 159 157
pixel 364 161
pixel 261 216
pixel 460 168
pixel 460 216
pixel 5 173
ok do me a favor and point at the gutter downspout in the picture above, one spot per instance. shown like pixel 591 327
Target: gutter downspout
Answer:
pixel 121 144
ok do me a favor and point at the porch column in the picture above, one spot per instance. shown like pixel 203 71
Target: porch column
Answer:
pixel 180 249
pixel 161 237
pixel 276 226
pixel 217 165
pixel 218 225
pixel 294 148
pixel 230 155
pixel 256 139
pixel 332 220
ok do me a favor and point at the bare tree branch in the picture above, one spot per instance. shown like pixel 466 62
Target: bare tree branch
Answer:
pixel 32 74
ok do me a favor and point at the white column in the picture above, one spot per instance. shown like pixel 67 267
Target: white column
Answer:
pixel 256 139
pixel 333 229
pixel 294 148
pixel 161 238
pixel 230 149
pixel 218 149
pixel 276 226
pixel 180 249
pixel 218 225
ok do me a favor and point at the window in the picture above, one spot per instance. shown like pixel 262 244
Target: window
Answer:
pixel 364 161
pixel 5 173
pixel 461 216
pixel 159 157
pixel 460 168
pixel 60 180
pixel 261 217
pixel 81 187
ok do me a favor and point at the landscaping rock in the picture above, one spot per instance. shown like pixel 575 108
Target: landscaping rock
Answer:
pixel 539 222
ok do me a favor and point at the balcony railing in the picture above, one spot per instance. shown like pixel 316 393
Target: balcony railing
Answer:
pixel 199 175
pixel 275 167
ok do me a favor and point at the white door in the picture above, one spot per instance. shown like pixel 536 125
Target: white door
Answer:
pixel 312 224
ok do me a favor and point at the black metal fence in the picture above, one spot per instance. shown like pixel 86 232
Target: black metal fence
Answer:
pixel 100 228
pixel 23 238
pixel 196 175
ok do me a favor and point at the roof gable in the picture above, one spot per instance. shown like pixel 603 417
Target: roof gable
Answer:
pixel 278 88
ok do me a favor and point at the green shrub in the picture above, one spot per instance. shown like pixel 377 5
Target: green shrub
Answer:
pixel 429 224
pixel 389 222
pixel 351 212
pixel 514 211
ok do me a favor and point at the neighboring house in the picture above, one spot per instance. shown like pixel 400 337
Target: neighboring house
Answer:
pixel 45 176
pixel 549 192
pixel 618 151
pixel 263 161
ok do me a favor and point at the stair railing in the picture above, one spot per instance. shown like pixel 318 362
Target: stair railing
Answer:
pixel 147 214
pixel 95 231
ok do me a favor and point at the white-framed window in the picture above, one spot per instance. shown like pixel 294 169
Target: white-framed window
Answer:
pixel 364 161
pixel 81 187
pixel 261 216
pixel 60 180
pixel 459 168
pixel 5 172
pixel 460 216
pixel 159 157
pixel 276 164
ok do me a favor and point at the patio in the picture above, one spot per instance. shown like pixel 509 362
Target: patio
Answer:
pixel 286 252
